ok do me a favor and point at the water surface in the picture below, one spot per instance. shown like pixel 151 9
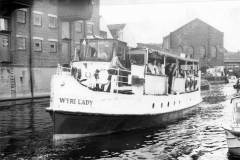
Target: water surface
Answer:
pixel 26 133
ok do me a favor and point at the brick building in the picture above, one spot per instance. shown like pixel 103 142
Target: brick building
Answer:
pixel 36 35
pixel 198 40
pixel 54 36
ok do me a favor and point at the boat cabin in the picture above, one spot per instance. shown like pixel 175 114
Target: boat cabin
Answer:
pixel 101 50
pixel 108 65
pixel 163 73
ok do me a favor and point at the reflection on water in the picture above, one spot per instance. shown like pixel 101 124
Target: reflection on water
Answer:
pixel 26 129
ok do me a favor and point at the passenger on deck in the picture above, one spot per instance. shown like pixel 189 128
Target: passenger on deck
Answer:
pixel 170 71
pixel 159 69
pixel 152 67
pixel 115 63
pixel 163 69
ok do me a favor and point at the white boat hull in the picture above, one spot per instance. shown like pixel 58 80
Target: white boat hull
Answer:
pixel 78 111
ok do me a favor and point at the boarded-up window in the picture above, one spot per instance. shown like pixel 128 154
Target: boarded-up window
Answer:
pixel 89 28
pixel 3 24
pixel 21 43
pixel 78 26
pixel 37 45
pixel 52 21
pixel 21 16
pixel 213 52
pixel 52 46
pixel 37 19
pixel 65 30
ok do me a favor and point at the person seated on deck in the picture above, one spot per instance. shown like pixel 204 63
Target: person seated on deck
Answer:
pixel 115 63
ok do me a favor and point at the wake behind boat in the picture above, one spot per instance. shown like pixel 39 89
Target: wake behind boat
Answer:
pixel 111 89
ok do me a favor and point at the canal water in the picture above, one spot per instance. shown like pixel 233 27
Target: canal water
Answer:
pixel 26 133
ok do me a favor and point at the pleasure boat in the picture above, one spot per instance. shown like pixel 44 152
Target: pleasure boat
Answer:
pixel 94 97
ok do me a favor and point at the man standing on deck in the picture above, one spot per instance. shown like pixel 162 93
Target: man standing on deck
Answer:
pixel 170 71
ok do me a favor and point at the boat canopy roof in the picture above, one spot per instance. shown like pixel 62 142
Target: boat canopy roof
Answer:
pixel 158 53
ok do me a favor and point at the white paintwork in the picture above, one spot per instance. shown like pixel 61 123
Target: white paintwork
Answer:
pixel 156 85
pixel 65 86
pixel 137 70
pixel 179 85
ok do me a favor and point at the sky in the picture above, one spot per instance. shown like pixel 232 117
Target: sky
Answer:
pixel 151 20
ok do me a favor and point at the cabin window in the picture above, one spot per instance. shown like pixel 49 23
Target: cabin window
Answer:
pixel 52 20
pixel 137 59
pixel 21 43
pixel 21 16
pixel 99 50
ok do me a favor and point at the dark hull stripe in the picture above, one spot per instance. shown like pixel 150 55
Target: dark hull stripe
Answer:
pixel 85 123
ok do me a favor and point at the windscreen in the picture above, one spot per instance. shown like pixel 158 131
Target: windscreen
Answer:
pixel 99 50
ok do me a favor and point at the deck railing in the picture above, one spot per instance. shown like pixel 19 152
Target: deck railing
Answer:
pixel 119 77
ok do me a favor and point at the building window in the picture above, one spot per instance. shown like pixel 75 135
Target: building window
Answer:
pixel 213 52
pixel 5 42
pixel 37 45
pixel 52 20
pixel 189 51
pixel 37 19
pixel 3 24
pixel 78 26
pixel 52 46
pixel 89 28
pixel 180 49
pixel 21 43
pixel 65 30
pixel 201 52
pixel 21 16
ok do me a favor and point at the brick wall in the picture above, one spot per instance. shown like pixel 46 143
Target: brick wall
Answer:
pixel 44 57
